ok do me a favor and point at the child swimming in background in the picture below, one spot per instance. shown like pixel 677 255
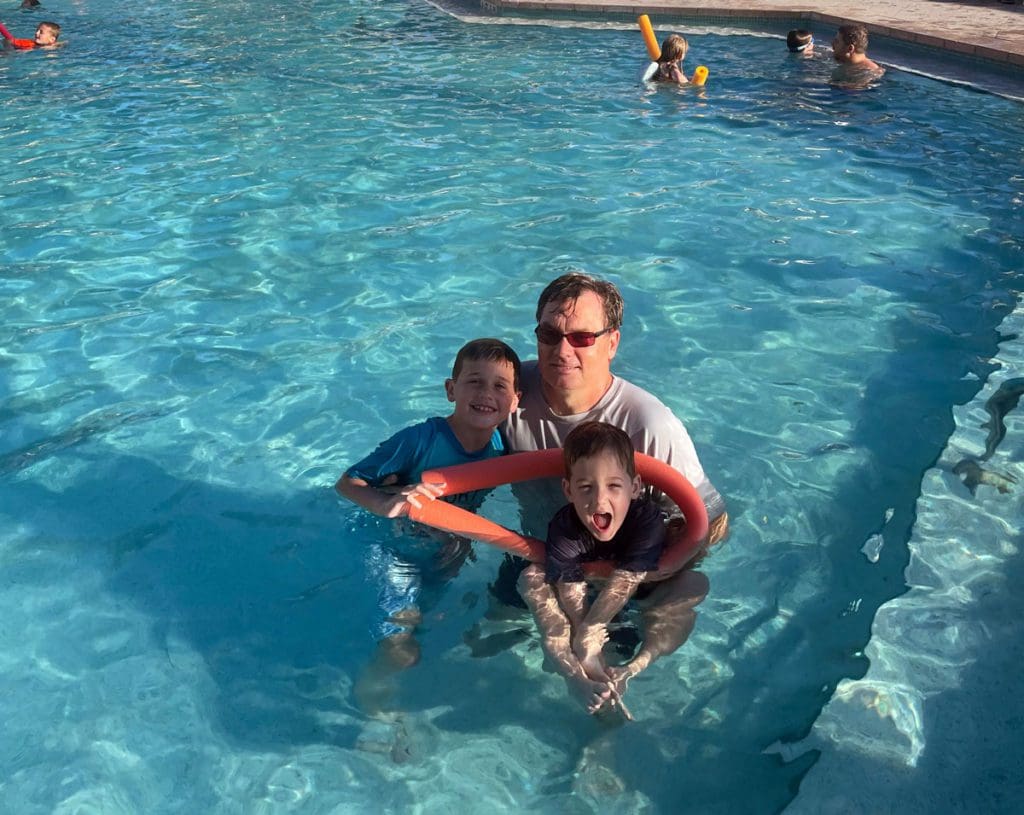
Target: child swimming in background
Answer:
pixel 670 63
pixel 484 386
pixel 46 36
pixel 606 519
pixel 800 41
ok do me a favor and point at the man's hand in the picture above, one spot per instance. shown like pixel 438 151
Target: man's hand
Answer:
pixel 718 529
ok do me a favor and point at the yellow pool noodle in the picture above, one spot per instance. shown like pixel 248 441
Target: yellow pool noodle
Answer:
pixel 700 75
pixel 649 39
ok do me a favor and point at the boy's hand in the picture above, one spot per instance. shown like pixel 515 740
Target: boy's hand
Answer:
pixel 587 645
pixel 398 504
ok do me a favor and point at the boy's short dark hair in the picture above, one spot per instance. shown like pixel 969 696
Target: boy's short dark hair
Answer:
pixel 570 286
pixel 590 438
pixel 797 39
pixel 487 348
pixel 855 35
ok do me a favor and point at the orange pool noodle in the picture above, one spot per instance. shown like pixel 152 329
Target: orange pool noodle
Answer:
pixel 700 75
pixel 548 464
pixel 649 39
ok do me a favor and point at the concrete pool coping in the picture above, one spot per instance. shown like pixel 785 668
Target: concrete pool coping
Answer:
pixel 986 29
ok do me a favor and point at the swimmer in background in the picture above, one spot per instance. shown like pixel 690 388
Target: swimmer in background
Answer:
pixel 606 519
pixel 46 36
pixel 800 41
pixel 670 63
pixel 484 386
pixel 849 49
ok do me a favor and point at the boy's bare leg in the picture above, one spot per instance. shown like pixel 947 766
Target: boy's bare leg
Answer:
pixel 587 641
pixel 556 638
pixel 374 688
pixel 668 615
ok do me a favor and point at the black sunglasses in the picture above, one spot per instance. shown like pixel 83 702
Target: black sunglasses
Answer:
pixel 577 339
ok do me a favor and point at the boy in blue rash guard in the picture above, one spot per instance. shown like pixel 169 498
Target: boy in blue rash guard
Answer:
pixel 484 386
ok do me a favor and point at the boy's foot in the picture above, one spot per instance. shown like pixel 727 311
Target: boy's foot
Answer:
pixel 592 695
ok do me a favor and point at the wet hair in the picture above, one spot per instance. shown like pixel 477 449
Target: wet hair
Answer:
pixel 54 27
pixel 673 48
pixel 569 287
pixel 855 35
pixel 798 39
pixel 590 438
pixel 30 3
pixel 488 349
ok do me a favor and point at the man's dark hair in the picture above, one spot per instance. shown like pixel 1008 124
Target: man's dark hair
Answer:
pixel 570 286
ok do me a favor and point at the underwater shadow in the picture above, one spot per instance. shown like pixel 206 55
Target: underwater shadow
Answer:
pixel 250 581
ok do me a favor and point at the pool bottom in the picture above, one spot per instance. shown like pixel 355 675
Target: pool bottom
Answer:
pixel 926 731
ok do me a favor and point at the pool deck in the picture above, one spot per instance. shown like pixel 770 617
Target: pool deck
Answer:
pixel 988 29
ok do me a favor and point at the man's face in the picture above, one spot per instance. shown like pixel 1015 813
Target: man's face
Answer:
pixel 841 50
pixel 565 368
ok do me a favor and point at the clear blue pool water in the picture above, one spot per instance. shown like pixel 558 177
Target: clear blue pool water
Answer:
pixel 241 243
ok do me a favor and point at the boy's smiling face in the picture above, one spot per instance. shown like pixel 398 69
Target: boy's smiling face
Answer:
pixel 600 490
pixel 484 394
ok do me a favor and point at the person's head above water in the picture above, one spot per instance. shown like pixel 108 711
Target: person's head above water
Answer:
pixel 674 48
pixel 578 320
pixel 484 386
pixel 800 41
pixel 850 42
pixel 47 34
pixel 600 476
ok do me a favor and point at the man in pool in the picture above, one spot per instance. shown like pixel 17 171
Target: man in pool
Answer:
pixel 850 50
pixel 578 332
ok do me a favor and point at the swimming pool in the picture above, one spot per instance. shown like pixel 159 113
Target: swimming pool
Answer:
pixel 243 245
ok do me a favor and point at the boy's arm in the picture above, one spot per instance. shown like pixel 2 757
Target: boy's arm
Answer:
pixel 562 567
pixel 7 35
pixel 374 482
pixel 386 500
pixel 614 595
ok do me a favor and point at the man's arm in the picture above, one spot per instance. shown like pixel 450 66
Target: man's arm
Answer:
pixel 718 529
